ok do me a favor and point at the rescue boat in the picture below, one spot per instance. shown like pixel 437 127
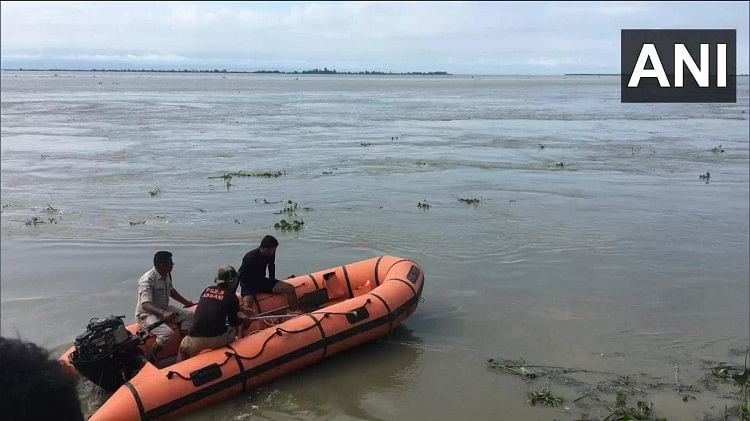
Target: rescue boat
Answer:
pixel 347 306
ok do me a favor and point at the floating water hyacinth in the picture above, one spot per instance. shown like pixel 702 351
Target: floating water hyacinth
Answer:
pixel 285 225
pixel 274 174
pixel 473 201
pixel 545 397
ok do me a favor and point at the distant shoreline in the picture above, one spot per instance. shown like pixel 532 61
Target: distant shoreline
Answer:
pixel 614 74
pixel 303 72
pixel 324 71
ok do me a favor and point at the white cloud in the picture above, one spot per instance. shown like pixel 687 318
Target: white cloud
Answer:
pixel 549 37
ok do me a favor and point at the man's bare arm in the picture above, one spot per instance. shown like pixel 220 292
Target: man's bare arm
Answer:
pixel 177 296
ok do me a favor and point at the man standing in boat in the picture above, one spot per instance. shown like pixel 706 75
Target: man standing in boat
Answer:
pixel 217 306
pixel 253 274
pixel 154 290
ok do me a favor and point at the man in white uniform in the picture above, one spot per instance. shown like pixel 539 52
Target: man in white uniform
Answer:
pixel 154 290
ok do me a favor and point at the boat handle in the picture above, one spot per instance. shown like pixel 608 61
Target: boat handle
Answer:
pixel 201 376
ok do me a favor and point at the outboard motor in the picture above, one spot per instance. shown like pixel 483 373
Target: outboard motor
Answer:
pixel 107 353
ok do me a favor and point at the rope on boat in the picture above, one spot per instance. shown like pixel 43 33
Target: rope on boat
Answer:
pixel 279 331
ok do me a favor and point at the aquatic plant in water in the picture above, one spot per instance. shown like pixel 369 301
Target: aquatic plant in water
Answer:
pixel 472 201
pixel 266 174
pixel 726 372
pixel 290 208
pixel 517 368
pixel 285 225
pixel 623 412
pixel 35 220
pixel 545 397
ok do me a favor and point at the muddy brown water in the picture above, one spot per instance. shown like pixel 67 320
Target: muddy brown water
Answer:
pixel 621 261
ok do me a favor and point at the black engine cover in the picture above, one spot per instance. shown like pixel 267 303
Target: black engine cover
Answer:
pixel 107 354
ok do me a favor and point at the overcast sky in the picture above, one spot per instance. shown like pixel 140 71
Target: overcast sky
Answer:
pixel 489 38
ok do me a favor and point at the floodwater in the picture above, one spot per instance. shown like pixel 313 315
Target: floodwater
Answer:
pixel 620 261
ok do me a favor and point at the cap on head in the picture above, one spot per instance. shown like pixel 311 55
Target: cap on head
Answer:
pixel 269 242
pixel 225 274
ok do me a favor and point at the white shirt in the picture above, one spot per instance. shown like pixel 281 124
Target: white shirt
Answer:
pixel 153 288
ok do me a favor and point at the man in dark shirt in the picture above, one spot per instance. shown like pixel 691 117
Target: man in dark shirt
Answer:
pixel 253 274
pixel 218 306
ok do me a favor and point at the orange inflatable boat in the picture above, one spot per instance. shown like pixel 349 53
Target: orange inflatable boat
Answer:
pixel 346 306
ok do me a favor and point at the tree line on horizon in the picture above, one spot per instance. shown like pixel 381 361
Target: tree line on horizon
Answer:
pixel 325 70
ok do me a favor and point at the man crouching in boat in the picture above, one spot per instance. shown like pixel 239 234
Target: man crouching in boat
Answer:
pixel 154 290
pixel 253 274
pixel 217 306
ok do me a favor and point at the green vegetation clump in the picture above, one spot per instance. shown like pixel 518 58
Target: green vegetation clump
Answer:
pixel 726 372
pixel 625 387
pixel 517 368
pixel 473 201
pixel 623 412
pixel 545 397
pixel 35 220
pixel 285 225
pixel 275 174
pixel 266 174
pixel 290 208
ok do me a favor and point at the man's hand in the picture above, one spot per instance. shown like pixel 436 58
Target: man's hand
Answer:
pixel 168 315
pixel 158 311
